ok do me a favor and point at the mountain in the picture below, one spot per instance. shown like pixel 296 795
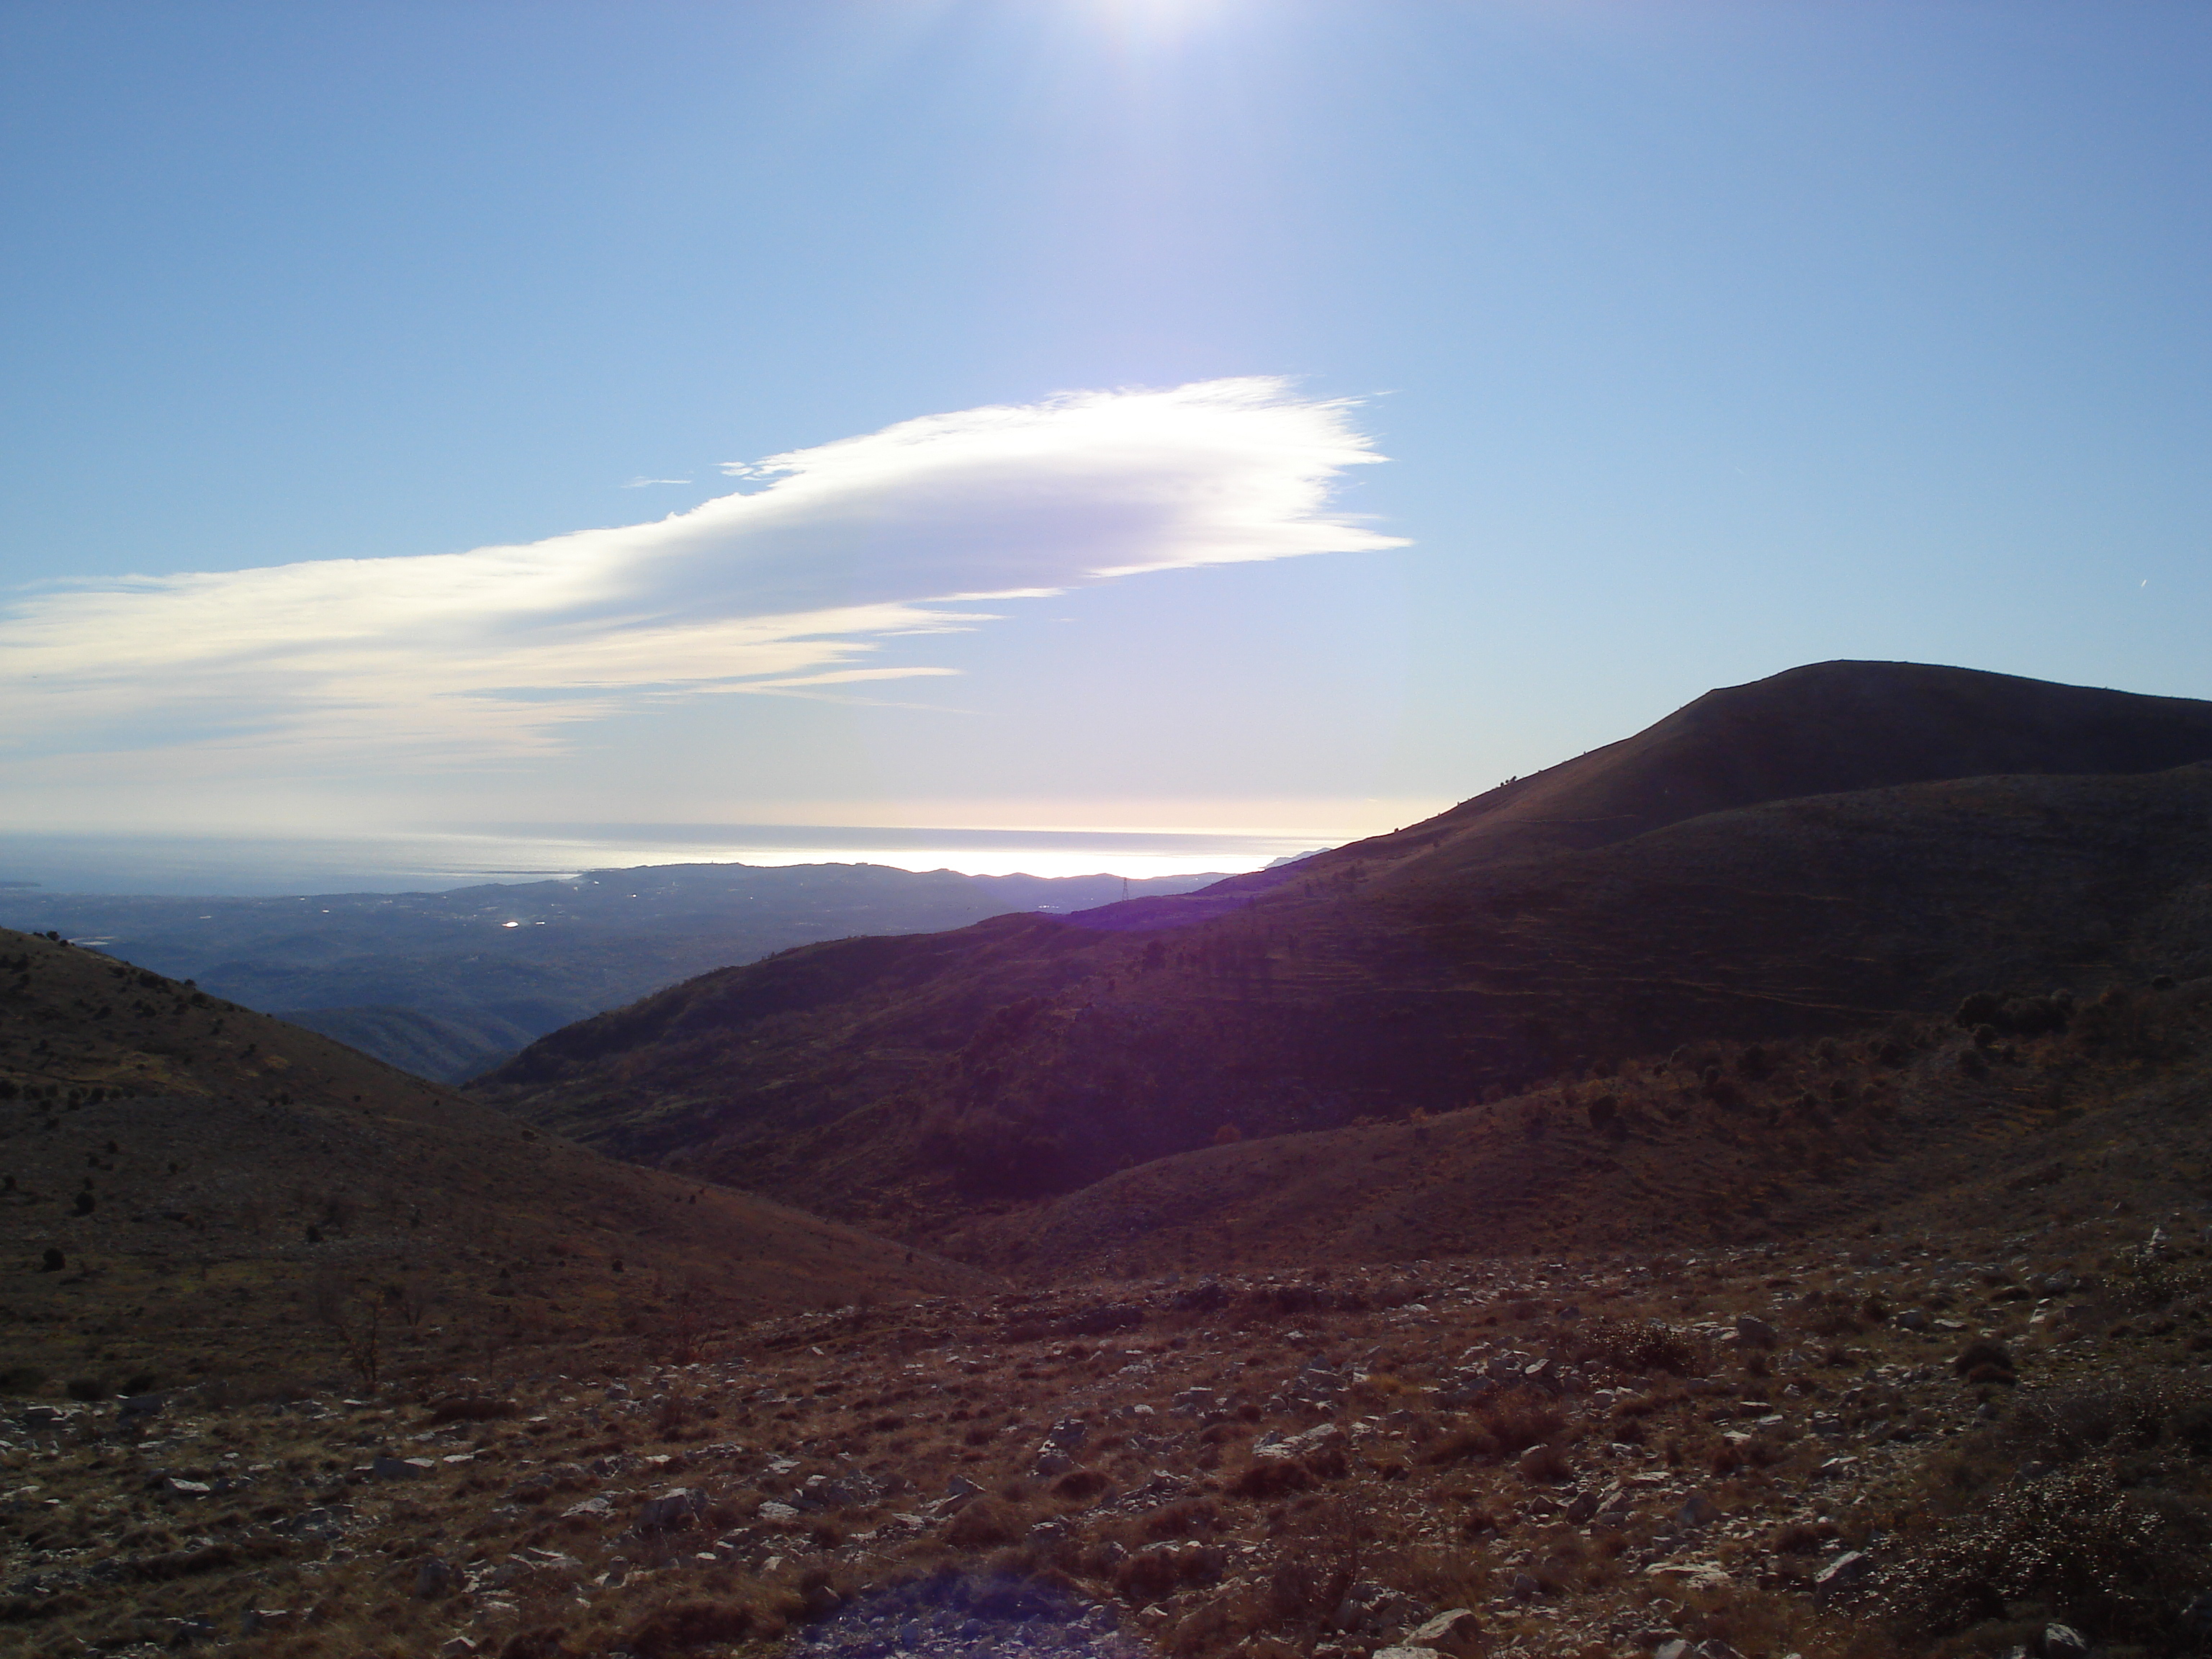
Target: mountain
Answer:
pixel 447 984
pixel 191 1189
pixel 1823 851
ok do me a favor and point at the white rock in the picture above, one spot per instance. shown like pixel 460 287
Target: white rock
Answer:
pixel 1455 1630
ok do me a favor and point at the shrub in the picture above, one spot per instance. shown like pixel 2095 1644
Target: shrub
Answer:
pixel 1266 1477
pixel 1499 1425
pixel 1188 1518
pixel 984 1524
pixel 1640 1345
pixel 1079 1486
pixel 2102 1560
pixel 2066 1427
pixel 1984 1361
pixel 682 1627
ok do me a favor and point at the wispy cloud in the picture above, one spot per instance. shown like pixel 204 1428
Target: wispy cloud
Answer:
pixel 839 550
pixel 643 483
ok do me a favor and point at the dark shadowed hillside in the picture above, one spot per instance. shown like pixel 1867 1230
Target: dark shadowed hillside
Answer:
pixel 188 1186
pixel 1823 851
pixel 2053 1111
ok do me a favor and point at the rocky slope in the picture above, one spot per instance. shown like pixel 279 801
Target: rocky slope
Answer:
pixel 1958 1442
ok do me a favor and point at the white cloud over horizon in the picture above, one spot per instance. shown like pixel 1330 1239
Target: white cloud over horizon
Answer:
pixel 802 582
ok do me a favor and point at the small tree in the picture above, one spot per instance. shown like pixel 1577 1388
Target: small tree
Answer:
pixel 354 1314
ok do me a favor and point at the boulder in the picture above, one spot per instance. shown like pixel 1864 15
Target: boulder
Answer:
pixel 432 1578
pixel 325 1525
pixel 1846 1571
pixel 2063 1642
pixel 672 1509
pixel 1372 1607
pixel 1456 1631
pixel 388 1467
pixel 1752 1332
pixel 2196 1617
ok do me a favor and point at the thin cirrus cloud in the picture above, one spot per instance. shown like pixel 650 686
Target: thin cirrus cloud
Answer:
pixel 840 551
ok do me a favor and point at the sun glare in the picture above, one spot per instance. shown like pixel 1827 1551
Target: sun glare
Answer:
pixel 1154 23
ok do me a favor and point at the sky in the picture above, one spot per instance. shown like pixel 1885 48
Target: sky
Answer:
pixel 1260 421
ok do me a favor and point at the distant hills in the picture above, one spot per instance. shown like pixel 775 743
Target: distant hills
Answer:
pixel 447 984
pixel 1827 851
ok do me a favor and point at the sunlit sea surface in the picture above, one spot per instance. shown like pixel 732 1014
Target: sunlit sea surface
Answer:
pixel 212 866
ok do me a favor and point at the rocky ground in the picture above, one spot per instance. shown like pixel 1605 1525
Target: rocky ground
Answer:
pixel 1972 1443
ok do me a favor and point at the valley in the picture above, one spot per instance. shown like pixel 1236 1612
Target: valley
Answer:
pixel 447 984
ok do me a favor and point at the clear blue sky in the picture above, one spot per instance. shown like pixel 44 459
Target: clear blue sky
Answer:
pixel 1701 340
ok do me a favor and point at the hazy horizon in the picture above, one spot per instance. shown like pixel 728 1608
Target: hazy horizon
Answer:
pixel 209 867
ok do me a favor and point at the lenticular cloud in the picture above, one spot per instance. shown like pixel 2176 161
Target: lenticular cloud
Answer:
pixel 815 577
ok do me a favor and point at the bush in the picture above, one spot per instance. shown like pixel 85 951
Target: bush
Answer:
pixel 1079 1486
pixel 2102 1561
pixel 1984 1361
pixel 682 1627
pixel 2067 1427
pixel 1266 1477
pixel 984 1524
pixel 1498 1427
pixel 1642 1345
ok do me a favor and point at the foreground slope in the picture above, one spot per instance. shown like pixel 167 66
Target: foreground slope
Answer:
pixel 188 1188
pixel 1822 851
pixel 1938 1433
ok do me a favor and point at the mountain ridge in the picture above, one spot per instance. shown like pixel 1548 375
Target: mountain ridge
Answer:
pixel 1624 900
